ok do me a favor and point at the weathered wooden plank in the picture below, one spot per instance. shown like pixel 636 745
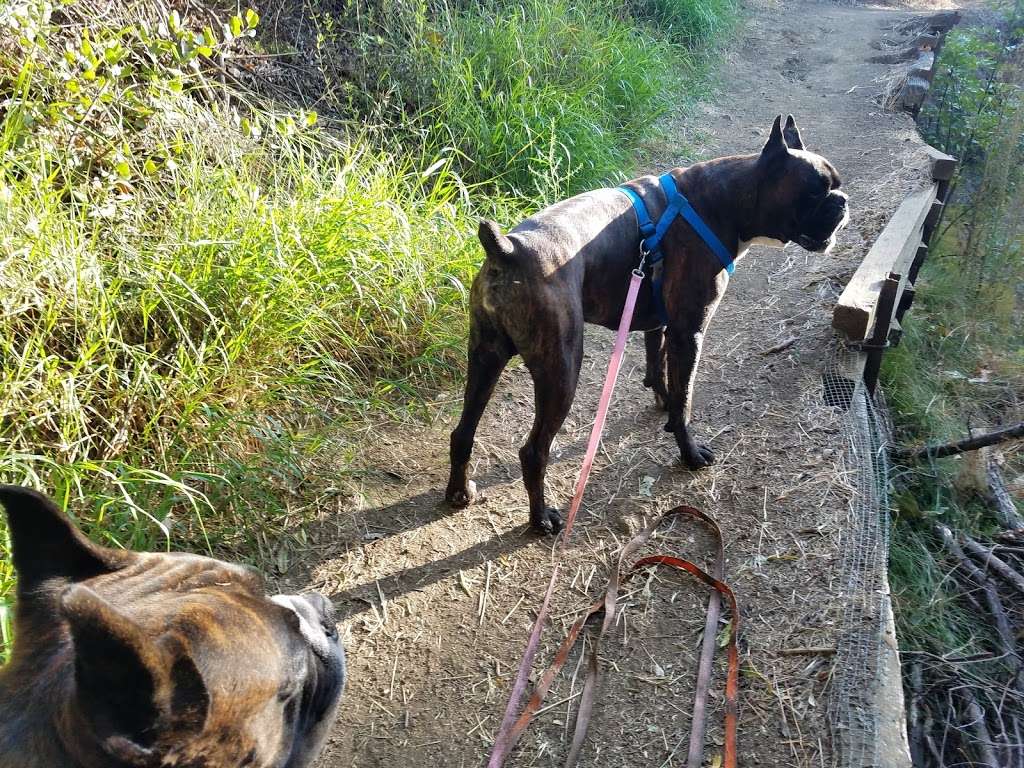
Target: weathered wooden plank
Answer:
pixel 924 66
pixel 914 92
pixel 893 251
pixel 931 219
pixel 943 166
pixel 939 22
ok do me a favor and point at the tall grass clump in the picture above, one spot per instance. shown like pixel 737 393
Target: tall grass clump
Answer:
pixel 544 97
pixel 538 98
pixel 697 24
pixel 185 294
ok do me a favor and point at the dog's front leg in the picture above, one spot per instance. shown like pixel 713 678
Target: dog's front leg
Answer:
pixel 654 377
pixel 684 347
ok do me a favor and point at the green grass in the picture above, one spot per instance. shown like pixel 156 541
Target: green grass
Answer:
pixel 545 97
pixel 145 363
pixel 195 304
pixel 954 369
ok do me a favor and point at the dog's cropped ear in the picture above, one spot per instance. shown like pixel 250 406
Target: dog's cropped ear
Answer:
pixel 792 134
pixel 126 681
pixel 46 545
pixel 775 151
pixel 776 141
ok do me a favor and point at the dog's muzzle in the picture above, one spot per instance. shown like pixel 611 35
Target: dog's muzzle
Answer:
pixel 818 229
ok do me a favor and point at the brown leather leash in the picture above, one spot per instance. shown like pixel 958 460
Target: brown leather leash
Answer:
pixel 607 606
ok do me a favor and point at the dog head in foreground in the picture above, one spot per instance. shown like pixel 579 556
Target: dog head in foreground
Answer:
pixel 146 660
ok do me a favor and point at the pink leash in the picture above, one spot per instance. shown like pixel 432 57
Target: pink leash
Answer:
pixel 503 740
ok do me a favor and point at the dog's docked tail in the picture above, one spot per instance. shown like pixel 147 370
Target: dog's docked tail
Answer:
pixel 494 242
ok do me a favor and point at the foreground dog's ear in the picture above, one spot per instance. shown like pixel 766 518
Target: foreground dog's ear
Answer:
pixel 776 141
pixel 125 680
pixel 792 134
pixel 46 545
pixel 493 241
pixel 775 151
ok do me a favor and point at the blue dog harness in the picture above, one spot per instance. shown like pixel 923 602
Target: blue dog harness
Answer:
pixel 652 235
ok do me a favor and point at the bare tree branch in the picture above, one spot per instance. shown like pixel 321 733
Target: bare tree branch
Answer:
pixel 961 446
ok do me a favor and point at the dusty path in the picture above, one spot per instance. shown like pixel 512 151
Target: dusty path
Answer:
pixel 437 604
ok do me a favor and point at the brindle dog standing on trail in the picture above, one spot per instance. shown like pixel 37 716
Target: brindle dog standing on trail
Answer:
pixel 570 264
pixel 132 660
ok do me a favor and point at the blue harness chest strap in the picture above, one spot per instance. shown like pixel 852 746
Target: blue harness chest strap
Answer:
pixel 651 235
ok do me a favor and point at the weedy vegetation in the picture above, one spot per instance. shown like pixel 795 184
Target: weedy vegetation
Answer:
pixel 960 367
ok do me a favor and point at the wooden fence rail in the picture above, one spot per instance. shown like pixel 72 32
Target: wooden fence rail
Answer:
pixel 870 309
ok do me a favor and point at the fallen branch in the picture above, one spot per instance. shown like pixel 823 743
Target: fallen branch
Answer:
pixel 1005 509
pixel 783 345
pixel 961 446
pixel 929 740
pixel 982 739
pixel 993 563
pixel 914 725
pixel 995 605
pixel 814 650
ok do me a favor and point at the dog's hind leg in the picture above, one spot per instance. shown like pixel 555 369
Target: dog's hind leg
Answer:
pixel 684 348
pixel 655 378
pixel 555 370
pixel 489 352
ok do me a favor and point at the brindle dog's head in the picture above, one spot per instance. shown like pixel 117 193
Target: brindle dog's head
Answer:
pixel 798 191
pixel 128 660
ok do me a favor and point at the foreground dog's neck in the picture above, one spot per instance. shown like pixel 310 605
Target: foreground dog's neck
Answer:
pixel 726 178
pixel 36 715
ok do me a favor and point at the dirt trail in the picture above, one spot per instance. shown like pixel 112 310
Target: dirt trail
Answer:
pixel 437 604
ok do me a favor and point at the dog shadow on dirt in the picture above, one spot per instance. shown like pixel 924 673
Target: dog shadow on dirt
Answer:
pixel 409 513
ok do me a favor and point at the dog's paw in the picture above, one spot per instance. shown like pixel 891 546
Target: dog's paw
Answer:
pixel 461 497
pixel 661 404
pixel 549 523
pixel 698 456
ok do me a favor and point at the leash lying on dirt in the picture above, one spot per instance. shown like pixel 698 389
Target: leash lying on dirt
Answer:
pixel 606 608
pixel 514 723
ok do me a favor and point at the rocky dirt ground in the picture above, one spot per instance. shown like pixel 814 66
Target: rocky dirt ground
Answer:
pixel 436 604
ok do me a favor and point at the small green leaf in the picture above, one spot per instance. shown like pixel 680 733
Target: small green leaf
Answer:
pixel 725 636
pixel 150 167
pixel 123 169
pixel 310 119
pixel 236 25
pixel 251 18
pixel 208 37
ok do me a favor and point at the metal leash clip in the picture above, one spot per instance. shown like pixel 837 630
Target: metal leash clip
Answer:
pixel 639 269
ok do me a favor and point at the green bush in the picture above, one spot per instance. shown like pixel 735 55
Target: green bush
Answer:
pixel 694 23
pixel 544 97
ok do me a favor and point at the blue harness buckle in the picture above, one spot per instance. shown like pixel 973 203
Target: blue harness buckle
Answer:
pixel 651 235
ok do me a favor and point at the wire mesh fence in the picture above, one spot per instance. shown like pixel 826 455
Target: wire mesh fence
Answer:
pixel 853 709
